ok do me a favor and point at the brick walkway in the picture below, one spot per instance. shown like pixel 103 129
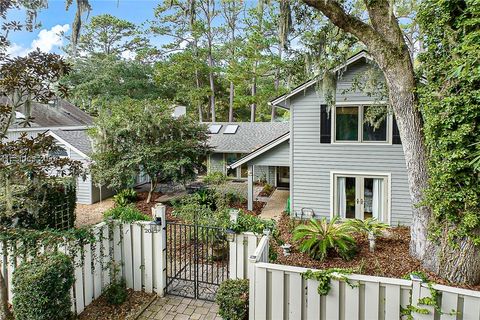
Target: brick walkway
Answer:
pixel 173 308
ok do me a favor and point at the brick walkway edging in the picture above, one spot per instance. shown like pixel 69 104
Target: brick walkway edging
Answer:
pixel 178 308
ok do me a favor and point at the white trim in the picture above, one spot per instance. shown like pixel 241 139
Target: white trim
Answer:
pixel 50 133
pixel 354 58
pixel 367 174
pixel 28 129
pixel 275 177
pixel 260 151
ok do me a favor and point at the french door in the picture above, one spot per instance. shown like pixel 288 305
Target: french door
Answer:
pixel 360 196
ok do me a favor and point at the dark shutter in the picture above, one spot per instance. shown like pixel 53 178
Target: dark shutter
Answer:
pixel 325 125
pixel 395 134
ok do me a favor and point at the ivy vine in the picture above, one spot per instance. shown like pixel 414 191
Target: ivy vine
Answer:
pixel 432 300
pixel 324 278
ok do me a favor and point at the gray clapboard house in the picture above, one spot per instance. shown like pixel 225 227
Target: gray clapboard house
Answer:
pixel 67 124
pixel 339 164
pixel 232 141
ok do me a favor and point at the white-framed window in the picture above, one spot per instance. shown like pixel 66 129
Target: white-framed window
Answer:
pixel 361 195
pixel 349 126
pixel 237 173
pixel 60 152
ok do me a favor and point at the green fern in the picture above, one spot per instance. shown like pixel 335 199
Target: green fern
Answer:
pixel 319 237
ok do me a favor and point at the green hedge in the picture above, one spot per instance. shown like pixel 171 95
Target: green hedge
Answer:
pixel 41 288
pixel 126 214
pixel 232 299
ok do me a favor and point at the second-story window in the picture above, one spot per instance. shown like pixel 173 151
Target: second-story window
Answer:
pixel 350 126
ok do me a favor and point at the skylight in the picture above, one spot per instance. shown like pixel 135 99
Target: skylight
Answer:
pixel 19 115
pixel 215 128
pixel 231 129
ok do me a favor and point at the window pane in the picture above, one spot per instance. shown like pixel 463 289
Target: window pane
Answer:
pixel 368 198
pixel 371 133
pixel 231 158
pixel 244 170
pixel 346 197
pixel 346 124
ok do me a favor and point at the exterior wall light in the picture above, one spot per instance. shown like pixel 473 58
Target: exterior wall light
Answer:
pixel 230 235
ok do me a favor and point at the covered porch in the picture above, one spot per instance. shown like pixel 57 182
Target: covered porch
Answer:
pixel 274 159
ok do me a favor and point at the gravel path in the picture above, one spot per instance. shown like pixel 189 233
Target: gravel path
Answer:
pixel 89 214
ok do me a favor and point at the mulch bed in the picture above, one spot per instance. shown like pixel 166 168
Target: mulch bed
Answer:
pixel 142 204
pixel 390 259
pixel 100 309
pixel 257 207
pixel 266 193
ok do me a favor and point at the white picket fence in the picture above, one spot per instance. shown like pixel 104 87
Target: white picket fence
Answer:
pixel 134 248
pixel 281 292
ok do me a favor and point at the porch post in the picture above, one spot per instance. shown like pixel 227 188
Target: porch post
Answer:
pixel 250 187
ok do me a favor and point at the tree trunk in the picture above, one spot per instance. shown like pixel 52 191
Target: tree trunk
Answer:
pixel 230 104
pixel 4 311
pixel 153 185
pixel 459 264
pixel 253 106
pixel 398 72
pixel 277 79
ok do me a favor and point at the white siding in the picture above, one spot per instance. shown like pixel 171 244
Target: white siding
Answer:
pixel 313 161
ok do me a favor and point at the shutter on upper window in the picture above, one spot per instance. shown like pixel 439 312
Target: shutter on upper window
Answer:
pixel 325 125
pixel 395 134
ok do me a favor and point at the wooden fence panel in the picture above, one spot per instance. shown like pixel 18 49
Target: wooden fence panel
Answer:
pixel 135 249
pixel 281 292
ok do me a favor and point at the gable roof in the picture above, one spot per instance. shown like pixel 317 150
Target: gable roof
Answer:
pixel 78 140
pixel 248 137
pixel 280 101
pixel 261 150
pixel 61 114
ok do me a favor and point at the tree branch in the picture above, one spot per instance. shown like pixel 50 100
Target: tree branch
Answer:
pixel 384 22
pixel 337 15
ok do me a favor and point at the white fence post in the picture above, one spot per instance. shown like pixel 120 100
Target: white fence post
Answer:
pixel 161 237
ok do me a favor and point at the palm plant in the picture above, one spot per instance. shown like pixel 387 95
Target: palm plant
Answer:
pixel 370 227
pixel 319 237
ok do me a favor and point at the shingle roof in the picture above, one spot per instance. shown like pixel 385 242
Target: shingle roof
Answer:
pixel 248 137
pixel 78 139
pixel 61 114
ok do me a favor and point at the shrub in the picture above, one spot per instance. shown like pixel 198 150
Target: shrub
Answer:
pixel 215 178
pixel 125 214
pixel 41 288
pixel 267 190
pixel 367 226
pixel 248 222
pixel 319 237
pixel 116 292
pixel 232 299
pixel 125 197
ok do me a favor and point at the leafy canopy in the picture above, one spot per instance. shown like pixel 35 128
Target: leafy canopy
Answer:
pixel 142 136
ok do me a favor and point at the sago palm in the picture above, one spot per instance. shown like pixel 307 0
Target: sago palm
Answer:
pixel 318 237
pixel 367 226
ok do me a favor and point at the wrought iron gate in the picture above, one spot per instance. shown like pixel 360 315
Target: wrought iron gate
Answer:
pixel 197 260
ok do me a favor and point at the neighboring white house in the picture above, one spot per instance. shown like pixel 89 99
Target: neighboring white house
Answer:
pixel 339 164
pixel 67 124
